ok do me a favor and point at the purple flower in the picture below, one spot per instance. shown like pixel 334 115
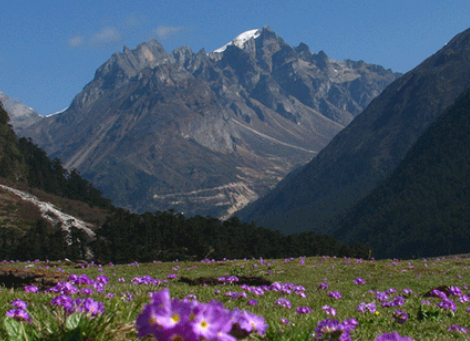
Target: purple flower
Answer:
pixel 407 291
pixel 358 281
pixel 249 322
pixel 211 320
pixel 334 330
pixel 19 315
pixel 447 304
pixel 438 293
pixel 90 306
pixel 381 296
pixel 285 321
pixel 323 286
pixel 102 279
pixel 303 310
pixel 400 316
pixel 64 301
pixel 335 294
pixel 393 337
pixel 455 291
pixel 329 310
pixel 458 328
pixel 284 302
pixel 363 307
pixel 464 298
pixel 20 304
pixel 31 288
pixel 86 291
pixel 252 302
pixel 171 276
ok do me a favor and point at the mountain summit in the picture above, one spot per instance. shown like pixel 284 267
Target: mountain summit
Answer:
pixel 206 133
pixel 368 150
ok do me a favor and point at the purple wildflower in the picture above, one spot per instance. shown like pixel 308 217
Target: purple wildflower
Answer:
pixel 102 279
pixel 335 294
pixel 329 310
pixel 455 291
pixel 284 302
pixel 211 320
pixel 447 304
pixel 19 315
pixel 285 321
pixel 303 310
pixel 358 281
pixel 464 298
pixel 31 288
pixel 458 328
pixel 249 322
pixel 363 307
pixel 90 306
pixel 400 316
pixel 323 286
pixel 20 304
pixel 334 330
pixel 252 302
pixel 64 301
pixel 393 337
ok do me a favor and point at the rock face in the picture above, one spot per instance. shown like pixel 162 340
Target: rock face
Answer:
pixel 206 133
pixel 21 116
pixel 368 150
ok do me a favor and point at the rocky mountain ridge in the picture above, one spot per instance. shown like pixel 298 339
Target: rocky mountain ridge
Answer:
pixel 206 133
pixel 369 148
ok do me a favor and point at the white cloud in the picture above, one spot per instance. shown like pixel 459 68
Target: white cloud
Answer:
pixel 106 36
pixel 166 32
pixel 76 41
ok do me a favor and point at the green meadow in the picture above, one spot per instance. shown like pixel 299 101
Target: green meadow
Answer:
pixel 355 280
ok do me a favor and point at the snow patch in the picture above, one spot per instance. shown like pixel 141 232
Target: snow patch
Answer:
pixel 240 40
pixel 55 216
pixel 57 113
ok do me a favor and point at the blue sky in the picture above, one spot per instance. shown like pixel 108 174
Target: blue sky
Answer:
pixel 51 49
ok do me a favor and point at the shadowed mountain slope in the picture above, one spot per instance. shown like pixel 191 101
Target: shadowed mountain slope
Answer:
pixel 423 209
pixel 369 149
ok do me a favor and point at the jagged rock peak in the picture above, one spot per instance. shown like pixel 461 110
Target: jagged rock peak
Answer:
pixel 240 40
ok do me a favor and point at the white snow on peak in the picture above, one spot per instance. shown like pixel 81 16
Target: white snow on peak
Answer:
pixel 240 40
pixel 57 113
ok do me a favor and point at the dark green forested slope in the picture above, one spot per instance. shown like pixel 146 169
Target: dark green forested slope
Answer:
pixel 423 209
pixel 22 161
pixel 12 163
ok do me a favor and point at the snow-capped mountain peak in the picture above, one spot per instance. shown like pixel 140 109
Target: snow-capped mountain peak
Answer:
pixel 241 39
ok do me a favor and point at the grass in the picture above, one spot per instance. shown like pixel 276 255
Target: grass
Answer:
pixel 118 321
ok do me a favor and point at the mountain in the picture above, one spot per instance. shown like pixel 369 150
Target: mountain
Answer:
pixel 423 209
pixel 206 133
pixel 368 150
pixel 21 116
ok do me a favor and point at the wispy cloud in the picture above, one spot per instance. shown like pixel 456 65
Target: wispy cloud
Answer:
pixel 167 32
pixel 76 41
pixel 106 36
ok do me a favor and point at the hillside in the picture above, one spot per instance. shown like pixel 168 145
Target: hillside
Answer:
pixel 206 133
pixel 42 205
pixel 423 209
pixel 369 149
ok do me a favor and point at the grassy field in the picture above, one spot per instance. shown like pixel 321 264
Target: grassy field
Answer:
pixel 330 287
